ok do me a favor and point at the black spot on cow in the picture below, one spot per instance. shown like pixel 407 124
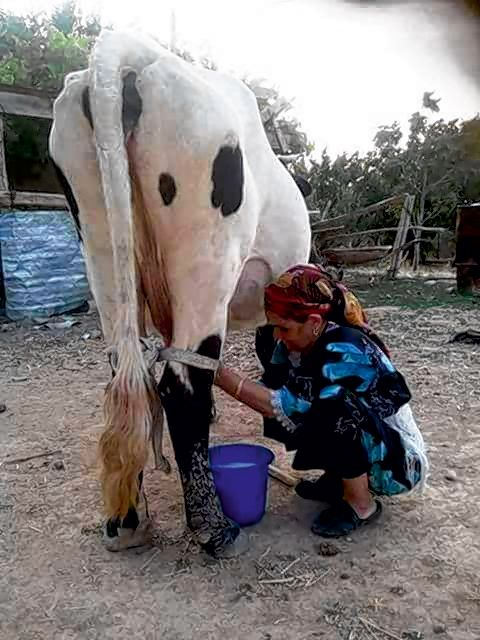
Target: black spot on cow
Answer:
pixel 210 347
pixel 131 104
pixel 227 179
pixel 167 188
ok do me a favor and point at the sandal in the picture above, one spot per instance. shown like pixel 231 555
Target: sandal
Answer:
pixel 341 519
pixel 327 488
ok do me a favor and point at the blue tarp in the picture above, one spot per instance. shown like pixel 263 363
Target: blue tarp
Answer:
pixel 42 264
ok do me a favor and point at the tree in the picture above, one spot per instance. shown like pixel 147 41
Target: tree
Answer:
pixel 38 50
pixel 437 161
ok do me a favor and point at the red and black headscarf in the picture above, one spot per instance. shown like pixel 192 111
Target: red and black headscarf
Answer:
pixel 309 289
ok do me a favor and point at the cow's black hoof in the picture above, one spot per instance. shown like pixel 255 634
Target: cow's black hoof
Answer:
pixel 129 538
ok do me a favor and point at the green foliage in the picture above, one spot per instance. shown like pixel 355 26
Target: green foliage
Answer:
pixel 38 50
pixel 437 161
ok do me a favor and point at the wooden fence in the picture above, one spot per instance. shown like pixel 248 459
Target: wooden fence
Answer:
pixel 333 238
pixel 32 104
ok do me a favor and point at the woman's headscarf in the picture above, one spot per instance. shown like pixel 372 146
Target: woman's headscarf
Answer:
pixel 309 289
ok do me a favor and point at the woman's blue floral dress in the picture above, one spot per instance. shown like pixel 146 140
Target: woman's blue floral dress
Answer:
pixel 344 408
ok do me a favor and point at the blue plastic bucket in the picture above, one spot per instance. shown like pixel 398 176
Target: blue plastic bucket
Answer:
pixel 240 473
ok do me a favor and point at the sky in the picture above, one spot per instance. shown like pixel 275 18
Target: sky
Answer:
pixel 347 70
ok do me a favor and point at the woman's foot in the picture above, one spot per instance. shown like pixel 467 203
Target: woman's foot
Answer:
pixel 328 488
pixel 341 519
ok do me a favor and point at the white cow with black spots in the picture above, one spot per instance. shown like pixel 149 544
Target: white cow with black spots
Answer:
pixel 185 215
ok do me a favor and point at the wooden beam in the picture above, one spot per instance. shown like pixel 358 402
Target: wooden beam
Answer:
pixel 366 232
pixel 329 230
pixel 282 476
pixel 371 232
pixel 356 255
pixel 3 163
pixel 24 104
pixel 403 226
pixel 32 200
pixel 347 217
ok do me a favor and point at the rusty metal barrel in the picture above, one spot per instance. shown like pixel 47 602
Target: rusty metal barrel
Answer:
pixel 467 257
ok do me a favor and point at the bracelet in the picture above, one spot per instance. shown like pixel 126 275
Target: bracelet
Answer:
pixel 239 388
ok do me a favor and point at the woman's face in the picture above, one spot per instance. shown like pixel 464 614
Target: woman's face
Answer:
pixel 296 336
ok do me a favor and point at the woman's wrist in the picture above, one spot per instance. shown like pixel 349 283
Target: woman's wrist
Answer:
pixel 241 388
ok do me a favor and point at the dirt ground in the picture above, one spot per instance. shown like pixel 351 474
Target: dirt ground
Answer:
pixel 414 574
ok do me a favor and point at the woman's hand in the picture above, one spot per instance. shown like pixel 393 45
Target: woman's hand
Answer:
pixel 254 395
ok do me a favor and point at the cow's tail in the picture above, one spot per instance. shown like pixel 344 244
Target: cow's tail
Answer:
pixel 130 395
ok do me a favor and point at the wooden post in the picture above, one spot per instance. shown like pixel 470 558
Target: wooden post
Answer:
pixel 467 254
pixel 3 163
pixel 282 476
pixel 403 226
pixel 32 200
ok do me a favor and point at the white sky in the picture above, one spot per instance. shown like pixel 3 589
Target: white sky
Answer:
pixel 348 70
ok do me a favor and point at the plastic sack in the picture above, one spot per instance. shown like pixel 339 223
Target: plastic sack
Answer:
pixel 42 262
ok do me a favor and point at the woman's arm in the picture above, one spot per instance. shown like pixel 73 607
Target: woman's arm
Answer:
pixel 254 395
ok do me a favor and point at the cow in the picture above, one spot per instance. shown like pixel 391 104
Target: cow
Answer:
pixel 185 215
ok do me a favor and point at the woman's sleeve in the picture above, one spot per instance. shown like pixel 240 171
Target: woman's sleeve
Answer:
pixel 360 367
pixel 285 405
pixel 289 413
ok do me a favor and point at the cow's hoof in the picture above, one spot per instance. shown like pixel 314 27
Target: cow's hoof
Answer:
pixel 239 546
pixel 129 538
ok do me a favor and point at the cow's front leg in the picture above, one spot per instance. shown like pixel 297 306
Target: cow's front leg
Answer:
pixel 189 408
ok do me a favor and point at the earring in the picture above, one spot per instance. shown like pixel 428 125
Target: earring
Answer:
pixel 316 332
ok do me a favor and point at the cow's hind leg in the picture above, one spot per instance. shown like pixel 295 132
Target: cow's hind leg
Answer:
pixel 189 414
pixel 72 149
pixel 134 530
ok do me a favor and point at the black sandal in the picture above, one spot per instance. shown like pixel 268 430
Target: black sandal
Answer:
pixel 341 519
pixel 327 488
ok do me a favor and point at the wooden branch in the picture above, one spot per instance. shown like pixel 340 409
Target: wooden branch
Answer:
pixel 356 255
pixel 428 229
pixel 32 200
pixel 35 456
pixel 434 185
pixel 371 232
pixel 366 232
pixel 403 225
pixel 282 145
pixel 3 163
pixel 25 104
pixel 282 476
pixel 326 210
pixel 328 230
pixel 290 158
pixel 347 217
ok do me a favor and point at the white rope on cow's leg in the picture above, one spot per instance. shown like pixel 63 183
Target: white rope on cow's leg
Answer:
pixel 189 358
pixel 151 350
